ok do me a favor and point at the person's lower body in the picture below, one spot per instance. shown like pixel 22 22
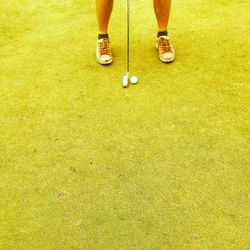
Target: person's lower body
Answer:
pixel 164 46
pixel 103 50
pixel 163 43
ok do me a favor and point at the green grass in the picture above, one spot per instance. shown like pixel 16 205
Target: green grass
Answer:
pixel 85 164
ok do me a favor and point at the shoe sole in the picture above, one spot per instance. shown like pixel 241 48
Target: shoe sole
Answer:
pixel 104 63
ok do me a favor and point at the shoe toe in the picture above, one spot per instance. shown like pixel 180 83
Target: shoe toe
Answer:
pixel 167 56
pixel 105 58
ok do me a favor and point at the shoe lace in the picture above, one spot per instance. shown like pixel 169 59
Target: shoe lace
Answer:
pixel 165 45
pixel 104 47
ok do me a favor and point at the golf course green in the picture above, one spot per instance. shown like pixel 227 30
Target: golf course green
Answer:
pixel 88 165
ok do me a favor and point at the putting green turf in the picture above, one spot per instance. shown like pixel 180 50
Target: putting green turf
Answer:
pixel 85 164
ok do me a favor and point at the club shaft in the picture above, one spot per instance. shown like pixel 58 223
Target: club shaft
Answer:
pixel 128 33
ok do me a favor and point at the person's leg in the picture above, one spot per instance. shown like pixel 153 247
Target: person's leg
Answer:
pixel 162 10
pixel 163 44
pixel 103 13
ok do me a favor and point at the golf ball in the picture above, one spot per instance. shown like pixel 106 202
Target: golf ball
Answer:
pixel 133 79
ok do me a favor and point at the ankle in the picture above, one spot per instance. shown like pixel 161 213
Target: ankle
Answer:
pixel 101 36
pixel 162 33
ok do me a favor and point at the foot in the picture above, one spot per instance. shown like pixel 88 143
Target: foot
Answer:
pixel 165 49
pixel 103 51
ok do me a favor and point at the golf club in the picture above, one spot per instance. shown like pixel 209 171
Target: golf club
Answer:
pixel 125 82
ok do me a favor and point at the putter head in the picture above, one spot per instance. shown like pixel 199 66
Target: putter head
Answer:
pixel 125 81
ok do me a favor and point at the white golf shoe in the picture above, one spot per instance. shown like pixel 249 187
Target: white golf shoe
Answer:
pixel 103 51
pixel 165 49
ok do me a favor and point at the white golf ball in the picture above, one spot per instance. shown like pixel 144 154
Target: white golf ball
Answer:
pixel 133 79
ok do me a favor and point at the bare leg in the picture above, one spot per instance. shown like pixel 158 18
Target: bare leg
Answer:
pixel 103 12
pixel 165 48
pixel 162 10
